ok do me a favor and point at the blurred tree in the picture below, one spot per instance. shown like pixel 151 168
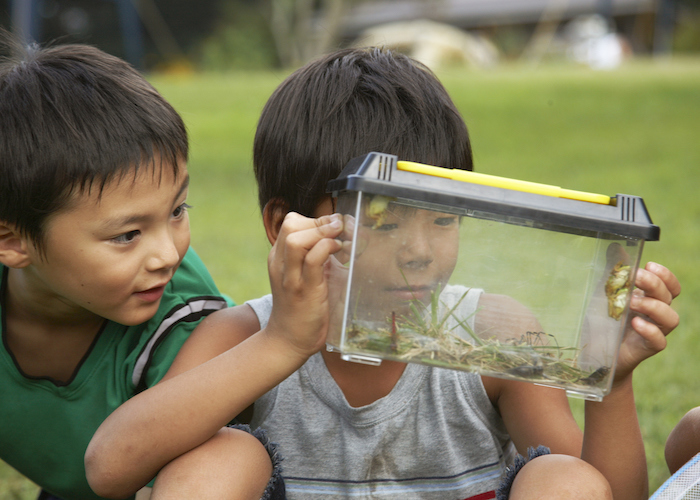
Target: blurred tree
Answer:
pixel 664 26
pixel 687 33
pixel 240 39
pixel 303 29
pixel 170 30
pixel 283 33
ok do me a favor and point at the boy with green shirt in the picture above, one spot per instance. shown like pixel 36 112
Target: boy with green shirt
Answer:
pixel 98 285
pixel 349 430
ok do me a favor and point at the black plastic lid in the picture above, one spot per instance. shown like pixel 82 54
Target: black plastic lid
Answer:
pixel 377 173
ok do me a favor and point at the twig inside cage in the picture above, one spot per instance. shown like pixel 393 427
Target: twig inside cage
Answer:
pixel 435 334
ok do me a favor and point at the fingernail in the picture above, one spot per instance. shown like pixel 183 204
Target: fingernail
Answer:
pixel 336 221
pixel 640 274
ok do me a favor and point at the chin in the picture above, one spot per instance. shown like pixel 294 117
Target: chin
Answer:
pixel 134 318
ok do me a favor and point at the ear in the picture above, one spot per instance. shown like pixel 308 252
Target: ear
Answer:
pixel 13 247
pixel 273 216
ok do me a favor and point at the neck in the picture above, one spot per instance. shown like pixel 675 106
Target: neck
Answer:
pixel 27 298
pixel 46 339
pixel 363 384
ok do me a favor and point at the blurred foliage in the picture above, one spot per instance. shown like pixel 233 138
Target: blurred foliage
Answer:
pixel 510 40
pixel 687 35
pixel 241 39
pixel 271 33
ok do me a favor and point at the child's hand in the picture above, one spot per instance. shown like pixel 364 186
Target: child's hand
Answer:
pixel 298 270
pixel 346 239
pixel 656 287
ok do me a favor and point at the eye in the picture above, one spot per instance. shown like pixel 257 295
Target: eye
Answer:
pixel 445 221
pixel 126 237
pixel 386 227
pixel 179 212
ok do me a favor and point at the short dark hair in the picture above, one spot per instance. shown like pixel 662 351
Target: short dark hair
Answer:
pixel 347 104
pixel 72 118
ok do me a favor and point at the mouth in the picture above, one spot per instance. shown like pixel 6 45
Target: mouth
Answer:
pixel 408 293
pixel 152 294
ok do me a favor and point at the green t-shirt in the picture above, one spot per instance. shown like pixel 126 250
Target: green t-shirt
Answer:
pixel 45 426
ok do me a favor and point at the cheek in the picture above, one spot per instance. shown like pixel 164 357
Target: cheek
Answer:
pixel 183 244
pixel 114 277
pixel 376 258
pixel 446 257
pixel 91 281
pixel 182 238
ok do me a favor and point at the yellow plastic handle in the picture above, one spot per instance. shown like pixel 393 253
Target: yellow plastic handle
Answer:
pixel 502 182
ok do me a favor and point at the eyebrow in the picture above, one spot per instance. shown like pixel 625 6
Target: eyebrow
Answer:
pixel 132 219
pixel 183 187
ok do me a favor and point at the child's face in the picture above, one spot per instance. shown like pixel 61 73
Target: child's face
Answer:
pixel 404 256
pixel 112 255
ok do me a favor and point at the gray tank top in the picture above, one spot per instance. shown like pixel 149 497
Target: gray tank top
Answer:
pixel 436 435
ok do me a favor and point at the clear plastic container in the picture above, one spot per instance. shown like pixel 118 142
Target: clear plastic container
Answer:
pixel 500 281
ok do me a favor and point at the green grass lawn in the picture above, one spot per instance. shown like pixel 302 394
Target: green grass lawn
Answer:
pixel 631 131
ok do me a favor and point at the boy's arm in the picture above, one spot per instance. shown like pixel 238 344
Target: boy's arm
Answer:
pixel 206 386
pixel 612 441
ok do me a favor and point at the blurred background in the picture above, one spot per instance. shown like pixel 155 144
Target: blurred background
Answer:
pixel 593 95
pixel 246 34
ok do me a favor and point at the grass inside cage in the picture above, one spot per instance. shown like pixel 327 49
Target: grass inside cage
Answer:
pixel 425 336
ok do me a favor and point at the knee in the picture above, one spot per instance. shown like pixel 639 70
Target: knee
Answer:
pixel 229 449
pixel 232 464
pixel 560 476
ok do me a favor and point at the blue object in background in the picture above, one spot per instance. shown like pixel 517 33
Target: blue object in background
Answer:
pixel 26 23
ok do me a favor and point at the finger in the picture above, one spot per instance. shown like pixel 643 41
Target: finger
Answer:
pixel 653 286
pixel 297 235
pixel 349 239
pixel 292 222
pixel 306 230
pixel 346 239
pixel 321 264
pixel 308 235
pixel 654 339
pixel 348 227
pixel 298 249
pixel 669 279
pixel 344 252
pixel 319 254
pixel 658 313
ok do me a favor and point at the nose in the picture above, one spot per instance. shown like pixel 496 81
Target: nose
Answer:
pixel 416 252
pixel 164 252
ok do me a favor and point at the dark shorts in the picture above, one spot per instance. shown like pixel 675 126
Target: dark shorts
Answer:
pixel 503 491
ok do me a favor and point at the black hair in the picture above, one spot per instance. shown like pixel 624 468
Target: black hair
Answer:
pixel 73 118
pixel 347 104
